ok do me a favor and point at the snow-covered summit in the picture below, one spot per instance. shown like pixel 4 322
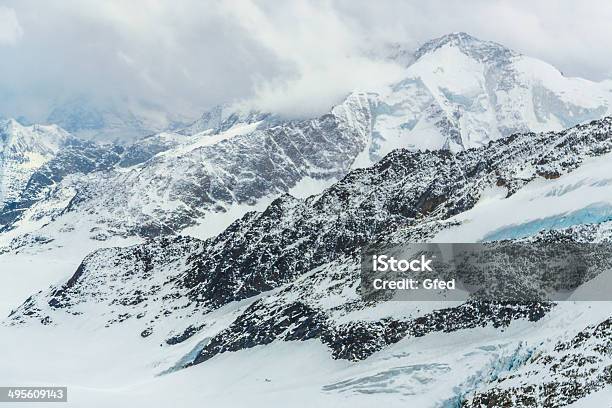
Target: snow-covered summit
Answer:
pixel 23 149
pixel 480 50
pixel 15 137
pixel 462 92
pixel 222 117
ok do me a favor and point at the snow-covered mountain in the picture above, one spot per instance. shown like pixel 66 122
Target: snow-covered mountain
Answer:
pixel 171 181
pixel 290 274
pixel 23 150
pixel 407 196
pixel 458 92
pixel 222 117
pixel 221 262
pixel 461 92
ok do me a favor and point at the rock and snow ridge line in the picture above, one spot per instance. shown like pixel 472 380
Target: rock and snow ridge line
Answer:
pixel 24 149
pixel 177 187
pixel 409 194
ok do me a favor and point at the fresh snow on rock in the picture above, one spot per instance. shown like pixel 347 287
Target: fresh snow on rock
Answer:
pixel 171 183
pixel 583 196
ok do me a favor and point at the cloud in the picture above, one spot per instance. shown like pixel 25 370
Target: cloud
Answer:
pixel 325 54
pixel 10 30
pixel 297 58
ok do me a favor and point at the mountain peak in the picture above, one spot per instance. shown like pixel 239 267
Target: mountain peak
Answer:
pixel 222 117
pixel 30 137
pixel 15 125
pixel 9 123
pixel 456 37
pixel 480 50
pixel 11 129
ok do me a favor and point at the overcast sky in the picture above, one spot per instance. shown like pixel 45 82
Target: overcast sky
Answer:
pixel 296 57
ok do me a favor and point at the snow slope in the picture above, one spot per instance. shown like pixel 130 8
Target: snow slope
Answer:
pixel 421 372
pixel 583 196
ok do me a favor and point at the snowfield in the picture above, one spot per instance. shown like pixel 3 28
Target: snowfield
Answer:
pixel 432 371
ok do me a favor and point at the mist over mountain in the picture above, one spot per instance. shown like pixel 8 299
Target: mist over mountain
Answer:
pixel 459 92
pixel 173 63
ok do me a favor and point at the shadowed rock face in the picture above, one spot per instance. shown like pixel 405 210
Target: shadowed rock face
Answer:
pixel 263 323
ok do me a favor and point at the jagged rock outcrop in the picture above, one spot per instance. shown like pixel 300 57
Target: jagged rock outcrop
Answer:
pixel 264 251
